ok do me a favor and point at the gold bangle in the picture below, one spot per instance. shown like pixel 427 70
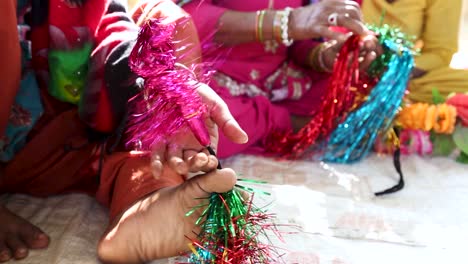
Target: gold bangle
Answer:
pixel 256 25
pixel 313 58
pixel 321 63
pixel 261 16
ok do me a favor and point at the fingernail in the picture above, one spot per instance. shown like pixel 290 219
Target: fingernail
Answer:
pixel 245 138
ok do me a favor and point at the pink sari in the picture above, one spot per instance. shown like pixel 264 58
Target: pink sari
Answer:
pixel 261 82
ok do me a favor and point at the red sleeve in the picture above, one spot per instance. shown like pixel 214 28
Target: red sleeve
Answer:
pixel 111 82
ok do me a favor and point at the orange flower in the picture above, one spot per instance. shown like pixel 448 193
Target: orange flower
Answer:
pixel 430 118
pixel 420 116
pixel 446 118
pixel 413 116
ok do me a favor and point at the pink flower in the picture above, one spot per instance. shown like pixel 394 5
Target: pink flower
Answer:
pixel 415 142
pixel 460 102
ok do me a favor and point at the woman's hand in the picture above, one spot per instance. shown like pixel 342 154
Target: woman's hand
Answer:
pixel 370 50
pixel 315 20
pixel 184 153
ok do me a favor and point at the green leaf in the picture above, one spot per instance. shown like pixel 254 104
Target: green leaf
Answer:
pixel 437 98
pixel 463 158
pixel 460 137
pixel 443 145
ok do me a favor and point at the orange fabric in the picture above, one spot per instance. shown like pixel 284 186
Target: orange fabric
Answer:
pixel 127 178
pixel 10 68
pixel 46 167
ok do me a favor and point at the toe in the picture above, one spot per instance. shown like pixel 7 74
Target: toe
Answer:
pixel 5 253
pixel 34 237
pixel 104 251
pixel 18 248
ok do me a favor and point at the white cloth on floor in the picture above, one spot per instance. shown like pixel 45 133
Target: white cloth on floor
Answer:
pixel 338 218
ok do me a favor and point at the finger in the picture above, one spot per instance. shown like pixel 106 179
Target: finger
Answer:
pixel 371 43
pixel 197 162
pixel 336 45
pixel 353 4
pixel 222 117
pixel 189 154
pixel 351 12
pixel 203 163
pixel 227 124
pixel 211 165
pixel 218 181
pixel 367 60
pixel 5 253
pixel 327 33
pixel 344 5
pixel 175 159
pixel 18 248
pixel 214 134
pixel 355 26
pixel 157 158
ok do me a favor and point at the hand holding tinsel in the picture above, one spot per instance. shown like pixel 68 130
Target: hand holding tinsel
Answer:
pixel 173 103
pixel 339 98
pixel 352 99
pixel 323 57
pixel 169 104
pixel 355 136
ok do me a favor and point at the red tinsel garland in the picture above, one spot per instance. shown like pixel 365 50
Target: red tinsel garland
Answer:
pixel 339 99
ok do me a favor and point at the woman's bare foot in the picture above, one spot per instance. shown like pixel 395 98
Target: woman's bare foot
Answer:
pixel 17 236
pixel 155 227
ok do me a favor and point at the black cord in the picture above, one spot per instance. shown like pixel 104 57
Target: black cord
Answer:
pixel 397 164
pixel 120 131
pixel 212 152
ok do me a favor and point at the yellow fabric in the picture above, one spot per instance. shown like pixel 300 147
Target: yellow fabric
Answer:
pixel 435 24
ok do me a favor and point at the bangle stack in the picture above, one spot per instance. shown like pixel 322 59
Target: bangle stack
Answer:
pixel 280 26
pixel 259 25
pixel 277 27
pixel 285 27
pixel 316 58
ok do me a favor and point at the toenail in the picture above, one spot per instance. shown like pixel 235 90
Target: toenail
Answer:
pixel 4 256
pixel 21 251
pixel 40 236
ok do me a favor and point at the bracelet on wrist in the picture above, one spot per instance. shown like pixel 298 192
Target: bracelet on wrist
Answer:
pixel 284 26
pixel 315 57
